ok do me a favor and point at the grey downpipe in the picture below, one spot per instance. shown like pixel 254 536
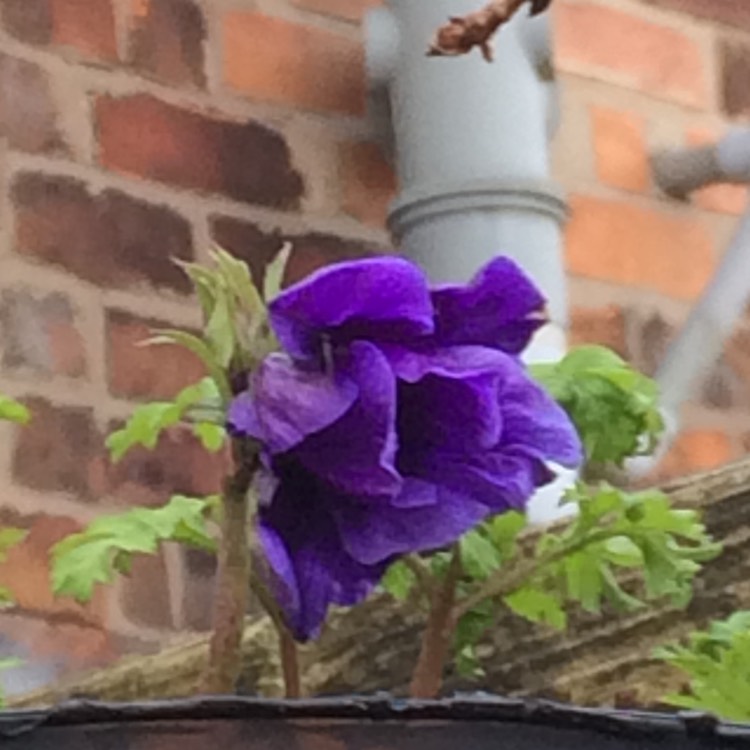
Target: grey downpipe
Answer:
pixel 701 341
pixel 470 143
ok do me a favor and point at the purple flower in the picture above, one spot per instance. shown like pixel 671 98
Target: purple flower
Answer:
pixel 395 420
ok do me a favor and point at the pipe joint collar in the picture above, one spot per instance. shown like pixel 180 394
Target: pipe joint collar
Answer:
pixel 542 197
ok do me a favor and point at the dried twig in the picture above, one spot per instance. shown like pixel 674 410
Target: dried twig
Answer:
pixel 462 33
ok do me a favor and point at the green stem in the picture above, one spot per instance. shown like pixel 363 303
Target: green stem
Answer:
pixel 436 640
pixel 231 600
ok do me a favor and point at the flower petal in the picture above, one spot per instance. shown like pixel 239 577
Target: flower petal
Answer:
pixel 533 420
pixel 286 403
pixel 307 567
pixel 374 298
pixel 375 533
pixel 357 454
pixel 447 397
pixel 501 308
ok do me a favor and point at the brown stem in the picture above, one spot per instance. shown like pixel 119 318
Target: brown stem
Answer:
pixel 289 664
pixel 231 599
pixel 462 33
pixel 287 645
pixel 436 640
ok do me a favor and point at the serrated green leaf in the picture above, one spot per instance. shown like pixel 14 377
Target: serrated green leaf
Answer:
pixel 148 421
pixel 274 274
pixel 106 546
pixel 479 556
pixel 584 580
pixel 503 530
pixel 614 407
pixel 212 436
pixel 13 411
pixel 623 552
pixel 537 605
pixel 398 581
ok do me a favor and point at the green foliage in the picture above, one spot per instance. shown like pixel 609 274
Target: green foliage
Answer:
pixel 200 403
pixel 717 664
pixel 107 545
pixel 398 580
pixel 620 550
pixel 13 411
pixel 613 406
pixel 658 547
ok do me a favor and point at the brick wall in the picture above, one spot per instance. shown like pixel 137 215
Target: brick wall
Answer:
pixel 136 131
pixel 637 76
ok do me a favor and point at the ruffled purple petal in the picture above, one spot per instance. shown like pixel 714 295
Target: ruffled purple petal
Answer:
pixel 501 308
pixel 373 298
pixel 286 403
pixel 535 423
pixel 375 533
pixel 357 454
pixel 447 396
pixel 307 567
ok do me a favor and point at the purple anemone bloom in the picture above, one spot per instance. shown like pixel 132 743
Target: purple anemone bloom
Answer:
pixel 396 419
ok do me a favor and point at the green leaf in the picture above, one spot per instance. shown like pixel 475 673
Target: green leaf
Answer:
pixel 716 664
pixel 538 606
pixel 212 436
pixel 13 411
pixel 503 530
pixel 220 330
pixel 398 581
pixel 614 407
pixel 479 556
pixel 274 274
pixel 148 421
pixel 107 545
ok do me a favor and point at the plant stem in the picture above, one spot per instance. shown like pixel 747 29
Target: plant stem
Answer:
pixel 289 664
pixel 436 640
pixel 287 645
pixel 232 592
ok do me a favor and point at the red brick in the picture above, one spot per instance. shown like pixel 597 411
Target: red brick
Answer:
pixel 26 572
pixel 178 465
pixel 697 450
pixel 731 12
pixel 651 57
pixel 620 150
pixel 57 450
pixel 638 246
pixel 306 67
pixel 166 41
pixel 108 239
pixel 735 77
pixel 63 646
pixel 28 115
pixel 87 26
pixel 368 183
pixel 145 593
pixel 309 251
pixel 726 199
pixel 39 333
pixel 604 326
pixel 351 10
pixel 248 162
pixel 137 371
